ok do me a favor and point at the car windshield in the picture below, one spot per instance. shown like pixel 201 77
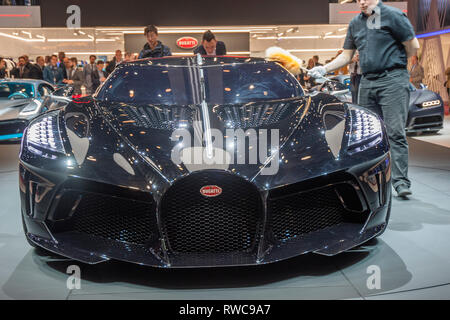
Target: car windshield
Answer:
pixel 181 85
pixel 14 90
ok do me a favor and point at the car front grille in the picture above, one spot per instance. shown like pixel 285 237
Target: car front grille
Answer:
pixel 193 223
pixel 114 218
pixel 301 213
pixel 254 115
pixel 157 117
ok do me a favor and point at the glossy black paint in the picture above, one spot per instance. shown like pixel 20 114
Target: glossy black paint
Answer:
pixel 112 151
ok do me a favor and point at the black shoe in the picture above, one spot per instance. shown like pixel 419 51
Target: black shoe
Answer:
pixel 403 191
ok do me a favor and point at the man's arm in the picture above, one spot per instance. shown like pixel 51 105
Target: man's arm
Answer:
pixel 411 47
pixel 341 61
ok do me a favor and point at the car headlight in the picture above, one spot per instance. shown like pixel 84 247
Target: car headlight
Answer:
pixel 428 104
pixel 43 134
pixel 365 129
pixel 31 109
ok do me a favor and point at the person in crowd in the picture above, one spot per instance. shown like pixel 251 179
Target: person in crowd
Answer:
pixel 52 73
pixel 38 69
pixel 210 46
pixel 98 76
pixel 115 61
pixel 416 73
pixel 316 61
pixel 309 81
pixel 128 57
pixel 447 83
pixel 153 48
pixel 47 60
pixel 2 68
pixel 384 87
pixel 23 69
pixel 344 69
pixel 61 56
pixel 88 70
pixel 355 77
pixel 72 75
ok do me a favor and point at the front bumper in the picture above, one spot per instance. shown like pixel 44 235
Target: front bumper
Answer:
pixel 425 119
pixel 325 215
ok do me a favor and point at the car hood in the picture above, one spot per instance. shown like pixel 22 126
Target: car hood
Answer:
pixel 420 96
pixel 10 109
pixel 133 145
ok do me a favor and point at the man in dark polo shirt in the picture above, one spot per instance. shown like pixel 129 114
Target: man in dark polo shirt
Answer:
pixel 385 39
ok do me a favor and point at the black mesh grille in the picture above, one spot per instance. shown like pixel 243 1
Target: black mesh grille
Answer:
pixel 306 212
pixel 254 115
pixel 426 120
pixel 194 223
pixel 116 219
pixel 157 117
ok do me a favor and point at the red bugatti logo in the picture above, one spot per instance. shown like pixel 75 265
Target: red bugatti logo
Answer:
pixel 211 191
pixel 187 43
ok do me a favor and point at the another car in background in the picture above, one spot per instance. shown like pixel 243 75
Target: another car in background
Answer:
pixel 21 100
pixel 426 108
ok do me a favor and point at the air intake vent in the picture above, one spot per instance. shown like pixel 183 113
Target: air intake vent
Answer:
pixel 254 115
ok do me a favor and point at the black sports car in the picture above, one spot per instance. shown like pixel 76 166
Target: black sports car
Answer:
pixel 115 175
pixel 426 108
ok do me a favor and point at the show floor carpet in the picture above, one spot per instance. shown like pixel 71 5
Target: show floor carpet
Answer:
pixel 413 255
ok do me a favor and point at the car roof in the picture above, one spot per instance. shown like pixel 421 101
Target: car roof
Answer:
pixel 181 61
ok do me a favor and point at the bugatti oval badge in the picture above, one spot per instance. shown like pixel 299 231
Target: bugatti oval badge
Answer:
pixel 187 43
pixel 211 191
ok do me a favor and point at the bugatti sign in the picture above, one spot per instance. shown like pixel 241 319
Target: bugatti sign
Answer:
pixel 187 43
pixel 211 191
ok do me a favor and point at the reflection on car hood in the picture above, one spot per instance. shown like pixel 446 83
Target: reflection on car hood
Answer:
pixel 419 96
pixel 113 143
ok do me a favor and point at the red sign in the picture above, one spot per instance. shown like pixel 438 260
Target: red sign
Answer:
pixel 187 43
pixel 211 191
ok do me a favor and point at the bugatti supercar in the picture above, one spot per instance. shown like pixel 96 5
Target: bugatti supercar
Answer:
pixel 112 176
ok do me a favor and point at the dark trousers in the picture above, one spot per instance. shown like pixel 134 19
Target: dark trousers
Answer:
pixel 388 96
pixel 355 80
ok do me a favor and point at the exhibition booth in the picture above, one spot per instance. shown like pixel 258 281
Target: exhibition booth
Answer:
pixel 255 175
